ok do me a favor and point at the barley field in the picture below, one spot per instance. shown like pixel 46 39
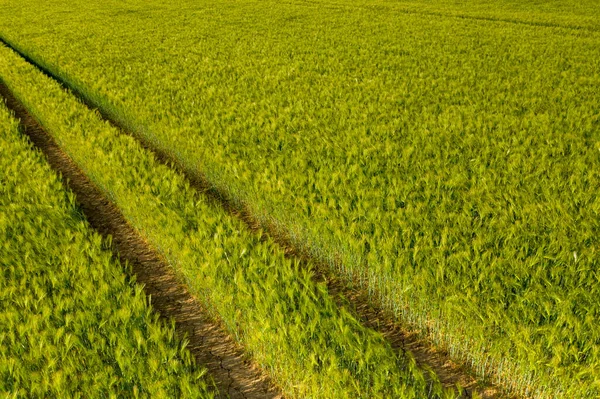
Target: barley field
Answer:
pixel 297 162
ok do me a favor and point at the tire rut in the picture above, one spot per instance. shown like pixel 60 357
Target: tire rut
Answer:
pixel 235 376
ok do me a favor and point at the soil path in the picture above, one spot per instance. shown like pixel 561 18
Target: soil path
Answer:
pixel 209 343
pixel 401 337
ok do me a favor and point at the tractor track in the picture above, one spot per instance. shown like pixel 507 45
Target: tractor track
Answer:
pixel 401 337
pixel 233 374
pixel 390 8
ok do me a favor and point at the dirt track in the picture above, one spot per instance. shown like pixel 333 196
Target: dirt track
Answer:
pixel 208 342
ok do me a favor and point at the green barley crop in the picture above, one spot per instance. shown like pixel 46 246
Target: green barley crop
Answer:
pixel 443 154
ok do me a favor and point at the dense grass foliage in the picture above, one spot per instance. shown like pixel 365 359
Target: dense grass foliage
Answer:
pixel 288 324
pixel 444 154
pixel 70 322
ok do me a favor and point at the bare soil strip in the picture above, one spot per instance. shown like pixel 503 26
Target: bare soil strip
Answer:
pixel 402 337
pixel 234 375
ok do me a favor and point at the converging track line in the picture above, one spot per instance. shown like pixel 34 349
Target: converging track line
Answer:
pixel 401 337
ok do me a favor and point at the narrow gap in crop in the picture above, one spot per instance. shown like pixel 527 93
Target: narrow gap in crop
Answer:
pixel 233 374
pixel 354 298
pixel 482 18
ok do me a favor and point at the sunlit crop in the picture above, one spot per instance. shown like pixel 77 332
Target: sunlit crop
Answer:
pixel 443 154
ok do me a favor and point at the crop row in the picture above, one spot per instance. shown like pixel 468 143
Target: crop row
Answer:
pixel 287 324
pixel 449 165
pixel 71 323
